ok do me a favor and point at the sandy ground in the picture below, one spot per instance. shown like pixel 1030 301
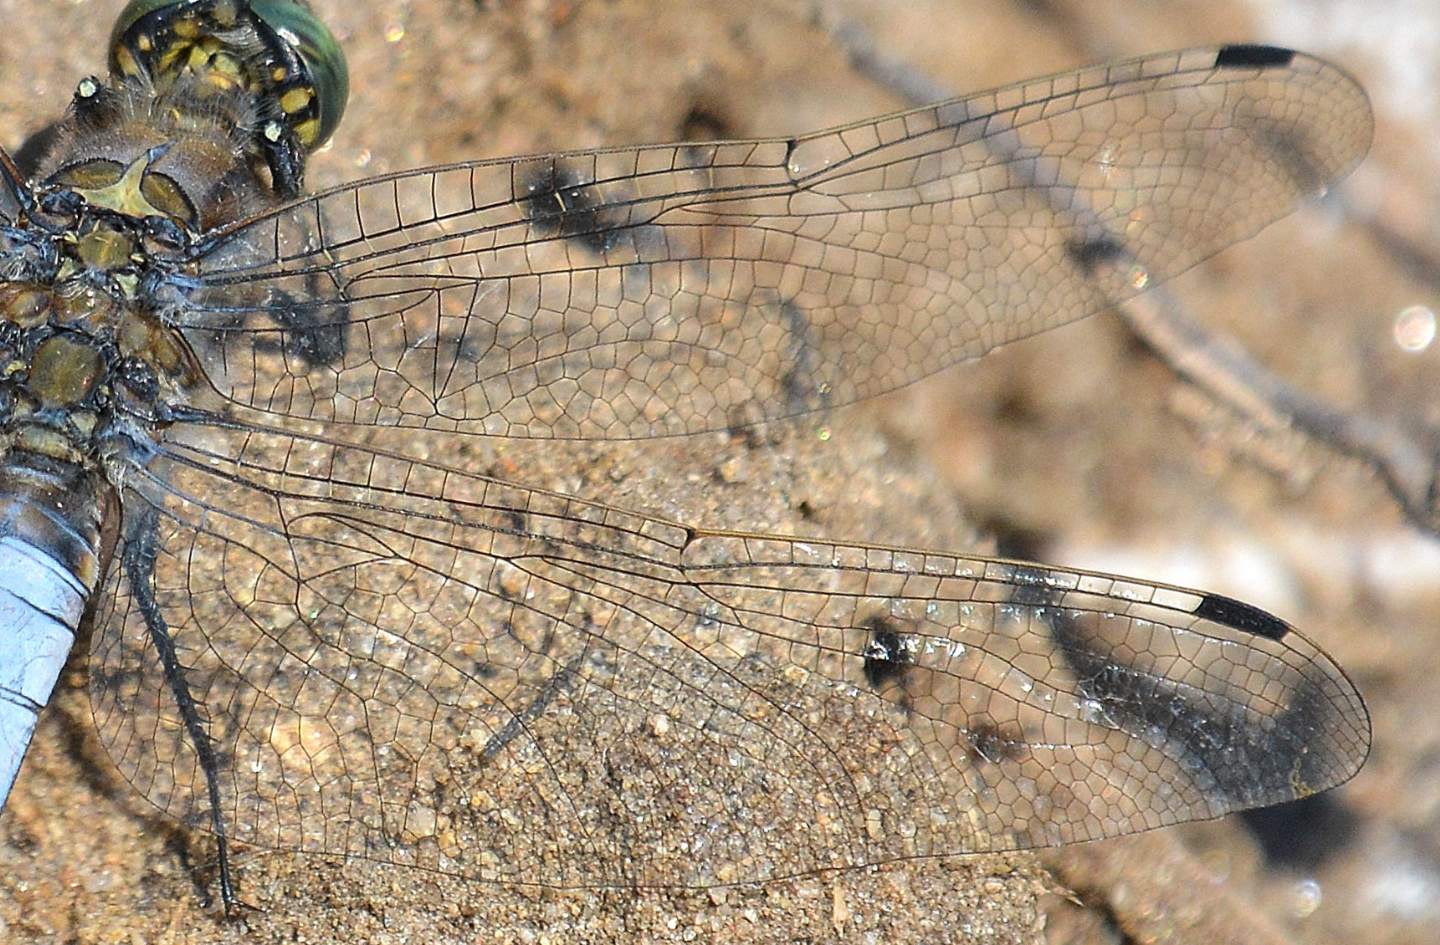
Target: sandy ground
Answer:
pixel 1076 447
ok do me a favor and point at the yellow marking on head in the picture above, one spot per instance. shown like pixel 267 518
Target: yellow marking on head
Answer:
pixel 308 131
pixel 167 59
pixel 125 62
pixel 297 99
pixel 228 65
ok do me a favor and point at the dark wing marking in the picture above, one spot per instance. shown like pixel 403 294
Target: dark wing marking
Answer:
pixel 656 290
pixel 1246 56
pixel 887 652
pixel 1241 616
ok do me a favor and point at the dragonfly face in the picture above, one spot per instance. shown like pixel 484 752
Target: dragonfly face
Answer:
pixel 311 635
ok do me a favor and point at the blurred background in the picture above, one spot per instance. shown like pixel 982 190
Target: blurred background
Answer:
pixel 1079 447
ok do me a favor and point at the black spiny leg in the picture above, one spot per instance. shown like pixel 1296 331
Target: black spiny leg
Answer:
pixel 139 558
pixel 286 159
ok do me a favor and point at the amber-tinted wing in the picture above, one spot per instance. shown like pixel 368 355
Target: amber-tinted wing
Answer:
pixel 406 662
pixel 634 292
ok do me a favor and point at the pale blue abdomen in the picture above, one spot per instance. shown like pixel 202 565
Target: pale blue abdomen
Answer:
pixel 49 566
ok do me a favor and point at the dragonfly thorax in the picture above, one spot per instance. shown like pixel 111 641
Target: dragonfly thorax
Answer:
pixel 171 153
pixel 83 360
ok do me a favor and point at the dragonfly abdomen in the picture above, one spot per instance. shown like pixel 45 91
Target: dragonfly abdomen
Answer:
pixel 50 563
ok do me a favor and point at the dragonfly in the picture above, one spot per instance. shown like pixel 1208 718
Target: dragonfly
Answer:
pixel 233 420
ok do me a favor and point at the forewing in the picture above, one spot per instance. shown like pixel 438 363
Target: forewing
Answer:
pixel 413 664
pixel 674 289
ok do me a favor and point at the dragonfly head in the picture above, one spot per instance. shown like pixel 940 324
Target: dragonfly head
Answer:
pixel 277 51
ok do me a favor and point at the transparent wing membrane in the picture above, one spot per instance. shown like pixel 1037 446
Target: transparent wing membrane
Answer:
pixel 634 292
pixel 403 660
pixel 382 644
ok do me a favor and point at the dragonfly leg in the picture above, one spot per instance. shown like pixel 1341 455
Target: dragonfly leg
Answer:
pixel 139 559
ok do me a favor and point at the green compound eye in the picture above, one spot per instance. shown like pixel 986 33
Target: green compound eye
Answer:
pixel 318 50
pixel 133 11
pixel 310 81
